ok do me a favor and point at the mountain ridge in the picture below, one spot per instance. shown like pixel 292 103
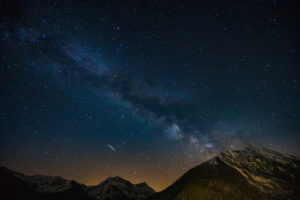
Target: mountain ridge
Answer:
pixel 251 173
pixel 56 187
pixel 119 188
pixel 247 174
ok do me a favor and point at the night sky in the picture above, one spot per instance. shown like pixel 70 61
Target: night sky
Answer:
pixel 144 89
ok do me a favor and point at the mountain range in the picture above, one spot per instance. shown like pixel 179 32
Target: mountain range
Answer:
pixel 14 185
pixel 251 173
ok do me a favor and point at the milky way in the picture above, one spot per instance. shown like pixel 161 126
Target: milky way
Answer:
pixel 91 89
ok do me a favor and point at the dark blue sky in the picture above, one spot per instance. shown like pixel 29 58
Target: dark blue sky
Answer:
pixel 91 89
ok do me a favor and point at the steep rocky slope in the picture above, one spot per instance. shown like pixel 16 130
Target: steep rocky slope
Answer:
pixel 252 173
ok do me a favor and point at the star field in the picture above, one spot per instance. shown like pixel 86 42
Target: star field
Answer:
pixel 144 89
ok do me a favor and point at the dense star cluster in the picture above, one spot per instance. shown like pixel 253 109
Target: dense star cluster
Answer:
pixel 144 89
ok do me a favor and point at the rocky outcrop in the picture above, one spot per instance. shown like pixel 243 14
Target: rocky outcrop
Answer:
pixel 271 172
pixel 252 173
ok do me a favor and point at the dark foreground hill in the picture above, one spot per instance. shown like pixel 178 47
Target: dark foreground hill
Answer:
pixel 14 185
pixel 252 173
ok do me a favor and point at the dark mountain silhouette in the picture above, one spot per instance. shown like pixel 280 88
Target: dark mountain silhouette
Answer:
pixel 118 188
pixel 14 185
pixel 252 173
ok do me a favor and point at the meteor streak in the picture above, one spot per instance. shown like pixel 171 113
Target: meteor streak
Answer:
pixel 111 147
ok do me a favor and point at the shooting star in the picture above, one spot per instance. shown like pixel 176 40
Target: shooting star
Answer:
pixel 111 147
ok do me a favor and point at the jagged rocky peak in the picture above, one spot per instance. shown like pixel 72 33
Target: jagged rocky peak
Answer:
pixel 118 188
pixel 116 179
